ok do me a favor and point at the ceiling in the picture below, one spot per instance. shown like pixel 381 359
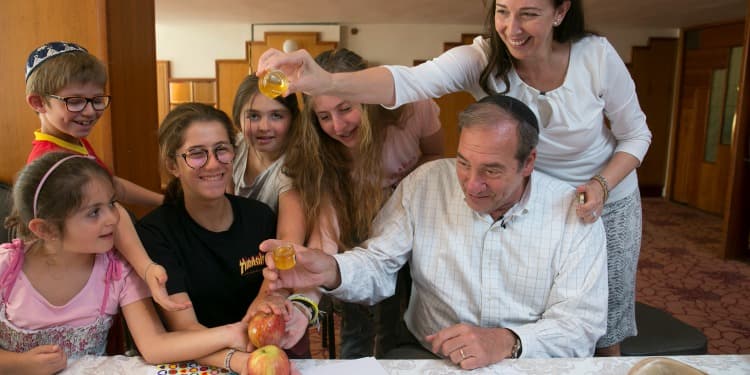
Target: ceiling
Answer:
pixel 599 13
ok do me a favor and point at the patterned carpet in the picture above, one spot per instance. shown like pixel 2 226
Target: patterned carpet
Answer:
pixel 679 272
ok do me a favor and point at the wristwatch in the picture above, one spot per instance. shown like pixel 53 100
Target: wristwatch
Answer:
pixel 517 348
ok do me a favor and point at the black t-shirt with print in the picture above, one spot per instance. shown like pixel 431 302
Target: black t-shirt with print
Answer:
pixel 220 271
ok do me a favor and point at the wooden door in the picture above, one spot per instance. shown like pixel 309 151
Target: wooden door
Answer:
pixel 711 64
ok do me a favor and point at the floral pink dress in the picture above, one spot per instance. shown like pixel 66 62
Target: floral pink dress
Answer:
pixel 80 326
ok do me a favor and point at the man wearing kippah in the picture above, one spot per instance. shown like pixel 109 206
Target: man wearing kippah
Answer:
pixel 501 265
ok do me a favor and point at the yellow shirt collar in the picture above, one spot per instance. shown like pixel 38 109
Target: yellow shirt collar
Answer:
pixel 39 136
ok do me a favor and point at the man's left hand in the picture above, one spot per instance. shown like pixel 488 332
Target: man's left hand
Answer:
pixel 472 347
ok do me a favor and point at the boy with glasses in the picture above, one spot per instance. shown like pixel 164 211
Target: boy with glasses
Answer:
pixel 65 87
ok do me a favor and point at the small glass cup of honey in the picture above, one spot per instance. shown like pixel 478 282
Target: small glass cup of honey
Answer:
pixel 273 83
pixel 284 257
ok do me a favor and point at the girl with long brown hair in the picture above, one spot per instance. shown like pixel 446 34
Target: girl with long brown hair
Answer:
pixel 344 160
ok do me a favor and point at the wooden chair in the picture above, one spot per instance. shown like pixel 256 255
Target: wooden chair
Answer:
pixel 327 326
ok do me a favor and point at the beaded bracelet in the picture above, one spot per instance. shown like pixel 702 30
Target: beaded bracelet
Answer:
pixel 228 359
pixel 310 304
pixel 605 186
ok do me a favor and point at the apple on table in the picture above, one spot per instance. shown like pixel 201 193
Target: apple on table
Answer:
pixel 268 360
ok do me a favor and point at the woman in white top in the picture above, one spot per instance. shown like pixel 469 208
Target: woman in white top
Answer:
pixel 538 52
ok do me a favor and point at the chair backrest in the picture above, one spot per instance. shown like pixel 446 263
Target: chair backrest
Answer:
pixel 6 205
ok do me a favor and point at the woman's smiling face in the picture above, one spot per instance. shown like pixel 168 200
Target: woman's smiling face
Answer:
pixel 526 26
pixel 339 118
pixel 210 180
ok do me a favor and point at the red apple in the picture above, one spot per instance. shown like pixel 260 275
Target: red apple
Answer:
pixel 268 360
pixel 266 329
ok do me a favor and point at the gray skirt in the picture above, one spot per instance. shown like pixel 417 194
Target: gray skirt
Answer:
pixel 622 224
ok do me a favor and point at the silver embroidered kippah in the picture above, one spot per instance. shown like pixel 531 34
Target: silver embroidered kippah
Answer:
pixel 47 51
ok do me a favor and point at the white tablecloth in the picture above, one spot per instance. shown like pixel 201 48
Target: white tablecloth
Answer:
pixel 711 364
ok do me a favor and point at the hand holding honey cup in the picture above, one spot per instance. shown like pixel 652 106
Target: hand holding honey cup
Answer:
pixel 273 83
pixel 284 257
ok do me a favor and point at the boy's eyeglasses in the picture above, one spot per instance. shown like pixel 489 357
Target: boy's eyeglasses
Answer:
pixel 197 158
pixel 78 103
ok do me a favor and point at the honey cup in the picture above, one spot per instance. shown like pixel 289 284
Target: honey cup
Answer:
pixel 284 257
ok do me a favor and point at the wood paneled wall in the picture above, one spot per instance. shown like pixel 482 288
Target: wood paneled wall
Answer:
pixel 29 24
pixel 305 40
pixel 452 104
pixel 120 33
pixel 653 70
pixel 229 73
pixel 163 72
pixel 192 90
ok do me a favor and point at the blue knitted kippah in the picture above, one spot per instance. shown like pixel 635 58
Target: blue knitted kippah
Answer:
pixel 47 51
